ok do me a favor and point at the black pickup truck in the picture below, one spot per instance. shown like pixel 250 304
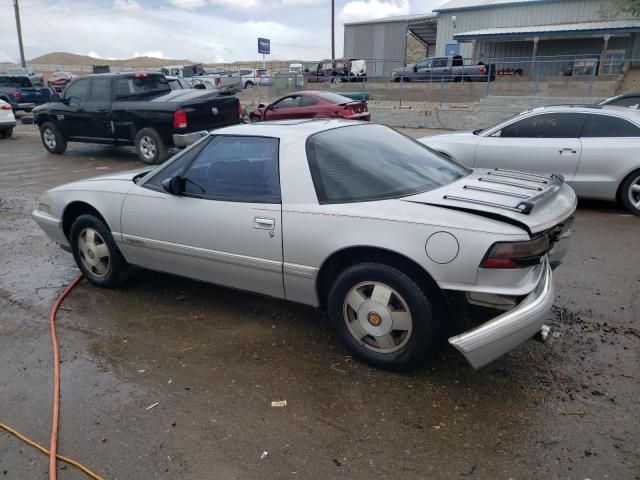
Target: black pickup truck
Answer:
pixel 137 109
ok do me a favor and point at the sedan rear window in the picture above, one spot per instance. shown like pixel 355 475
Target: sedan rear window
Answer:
pixel 372 162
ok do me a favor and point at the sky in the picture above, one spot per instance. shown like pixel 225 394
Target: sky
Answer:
pixel 198 30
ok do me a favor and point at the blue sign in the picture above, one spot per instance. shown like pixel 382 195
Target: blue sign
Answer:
pixel 452 49
pixel 264 45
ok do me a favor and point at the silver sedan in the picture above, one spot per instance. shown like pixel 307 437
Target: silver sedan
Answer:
pixel 353 217
pixel 595 148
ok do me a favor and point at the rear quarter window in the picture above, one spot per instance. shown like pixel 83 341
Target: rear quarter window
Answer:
pixel 609 126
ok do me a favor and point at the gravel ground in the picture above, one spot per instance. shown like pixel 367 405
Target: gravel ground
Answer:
pixel 213 360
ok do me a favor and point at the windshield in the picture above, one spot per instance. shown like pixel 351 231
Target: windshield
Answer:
pixel 141 85
pixel 372 162
pixel 482 130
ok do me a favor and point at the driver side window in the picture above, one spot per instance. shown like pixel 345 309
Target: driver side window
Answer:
pixel 236 168
pixel 77 92
pixel 288 102
pixel 424 64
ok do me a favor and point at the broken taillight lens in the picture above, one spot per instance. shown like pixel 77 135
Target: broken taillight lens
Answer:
pixel 516 254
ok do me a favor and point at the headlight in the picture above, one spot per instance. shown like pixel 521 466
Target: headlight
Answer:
pixel 44 208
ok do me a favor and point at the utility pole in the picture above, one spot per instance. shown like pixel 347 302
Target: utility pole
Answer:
pixel 333 31
pixel 17 10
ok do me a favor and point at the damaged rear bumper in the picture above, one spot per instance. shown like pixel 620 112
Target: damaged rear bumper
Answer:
pixel 494 338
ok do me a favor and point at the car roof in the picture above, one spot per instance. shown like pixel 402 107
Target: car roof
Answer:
pixel 627 112
pixel 287 130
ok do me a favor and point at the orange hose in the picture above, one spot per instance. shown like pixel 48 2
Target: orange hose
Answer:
pixel 53 448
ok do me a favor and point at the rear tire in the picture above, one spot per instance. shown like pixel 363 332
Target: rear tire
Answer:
pixel 6 133
pixel 248 85
pixel 150 147
pixel 630 193
pixel 96 253
pixel 382 316
pixel 52 138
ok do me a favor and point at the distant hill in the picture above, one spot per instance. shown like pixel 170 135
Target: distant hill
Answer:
pixel 70 59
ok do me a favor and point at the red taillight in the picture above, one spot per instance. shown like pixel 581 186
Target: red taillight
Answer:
pixel 180 119
pixel 17 95
pixel 483 70
pixel 218 82
pixel 139 75
pixel 346 113
pixel 5 107
pixel 516 254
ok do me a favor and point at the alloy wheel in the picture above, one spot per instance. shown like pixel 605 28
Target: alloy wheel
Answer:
pixel 148 147
pixel 634 192
pixel 94 252
pixel 378 317
pixel 49 138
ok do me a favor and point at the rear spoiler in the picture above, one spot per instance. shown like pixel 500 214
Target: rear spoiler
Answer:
pixel 547 186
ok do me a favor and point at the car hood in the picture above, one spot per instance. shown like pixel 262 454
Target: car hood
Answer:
pixel 125 176
pixel 533 202
pixel 408 68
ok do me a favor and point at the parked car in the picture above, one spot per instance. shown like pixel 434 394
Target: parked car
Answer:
pixel 36 79
pixel 629 99
pixel 132 109
pixel 7 120
pixel 444 69
pixel 58 81
pixel 21 93
pixel 594 148
pixel 312 104
pixel 227 83
pixel 338 70
pixel 415 231
pixel 257 76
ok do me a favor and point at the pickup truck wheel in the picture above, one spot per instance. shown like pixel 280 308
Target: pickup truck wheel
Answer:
pixel 52 138
pixel 382 316
pixel 96 253
pixel 6 133
pixel 630 193
pixel 150 147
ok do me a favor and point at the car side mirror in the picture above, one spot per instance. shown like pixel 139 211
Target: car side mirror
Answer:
pixel 261 105
pixel 174 185
pixel 55 97
pixel 415 68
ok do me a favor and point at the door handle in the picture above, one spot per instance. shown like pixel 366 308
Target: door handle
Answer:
pixel 264 223
pixel 562 150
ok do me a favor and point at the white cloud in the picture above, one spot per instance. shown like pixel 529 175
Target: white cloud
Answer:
pixel 360 10
pixel 6 58
pixel 188 4
pixel 127 5
pixel 150 53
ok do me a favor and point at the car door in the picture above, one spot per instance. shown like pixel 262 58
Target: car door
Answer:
pixel 440 69
pixel 97 107
pixel 224 228
pixel 422 70
pixel 283 109
pixel 73 118
pixel 542 143
pixel 308 108
pixel 610 147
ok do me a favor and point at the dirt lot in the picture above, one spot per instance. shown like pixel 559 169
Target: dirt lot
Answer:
pixel 214 359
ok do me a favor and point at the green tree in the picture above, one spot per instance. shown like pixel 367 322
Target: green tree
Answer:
pixel 629 7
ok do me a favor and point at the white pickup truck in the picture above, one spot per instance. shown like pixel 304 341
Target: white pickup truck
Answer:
pixel 226 82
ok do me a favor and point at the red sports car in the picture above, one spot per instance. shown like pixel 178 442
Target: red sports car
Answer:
pixel 311 104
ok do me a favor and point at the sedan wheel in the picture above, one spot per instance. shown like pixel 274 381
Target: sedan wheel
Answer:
pixel 94 252
pixel 382 315
pixel 631 193
pixel 378 316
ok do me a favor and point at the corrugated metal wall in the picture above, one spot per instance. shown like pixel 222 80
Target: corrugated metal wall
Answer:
pixel 565 11
pixel 382 45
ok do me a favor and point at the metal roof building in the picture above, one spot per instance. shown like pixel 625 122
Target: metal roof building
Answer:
pixel 527 29
pixel 382 43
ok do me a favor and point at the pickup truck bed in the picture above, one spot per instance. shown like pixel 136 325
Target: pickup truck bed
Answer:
pixel 132 109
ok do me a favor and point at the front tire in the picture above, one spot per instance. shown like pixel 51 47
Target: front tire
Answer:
pixel 52 138
pixel 96 253
pixel 150 147
pixel 6 133
pixel 382 316
pixel 248 85
pixel 630 193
